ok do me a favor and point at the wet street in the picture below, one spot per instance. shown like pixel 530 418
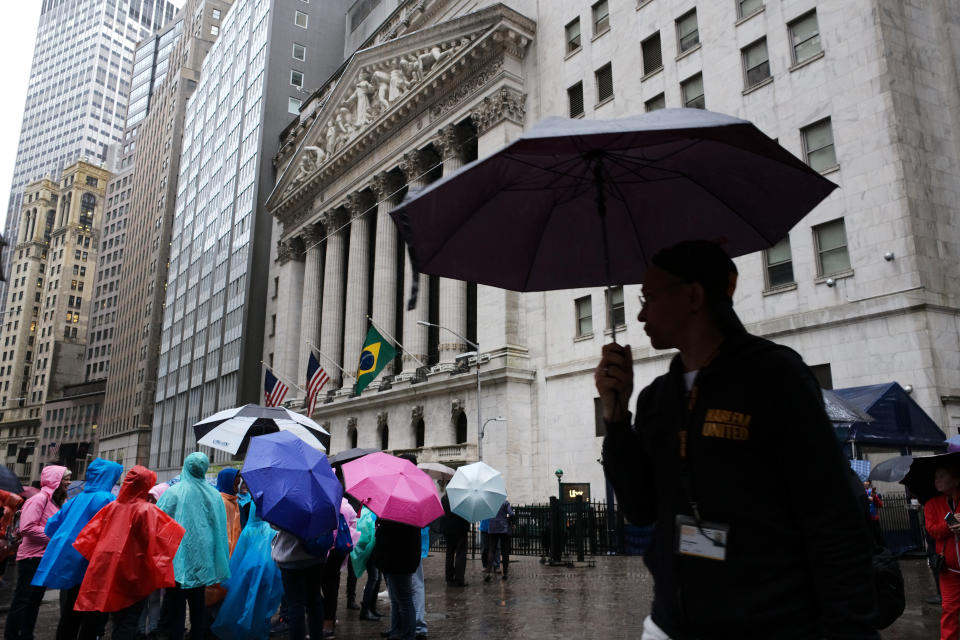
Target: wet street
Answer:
pixel 538 601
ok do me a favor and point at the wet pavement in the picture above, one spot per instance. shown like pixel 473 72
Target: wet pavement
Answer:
pixel 539 601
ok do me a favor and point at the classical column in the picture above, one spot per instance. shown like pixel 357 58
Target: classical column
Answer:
pixel 453 293
pixel 310 301
pixel 331 334
pixel 498 119
pixel 415 336
pixel 385 259
pixel 355 316
pixel 289 289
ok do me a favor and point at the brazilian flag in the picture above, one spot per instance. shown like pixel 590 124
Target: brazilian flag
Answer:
pixel 374 356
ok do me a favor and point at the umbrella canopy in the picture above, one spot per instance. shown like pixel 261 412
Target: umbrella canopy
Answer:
pixel 436 470
pixel 231 430
pixel 476 492
pixel 953 443
pixel 919 480
pixel 348 455
pixel 393 488
pixel 292 485
pixel 580 203
pixel 892 470
pixel 841 410
pixel 9 480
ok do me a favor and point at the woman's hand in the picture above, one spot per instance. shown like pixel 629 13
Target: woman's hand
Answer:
pixel 614 380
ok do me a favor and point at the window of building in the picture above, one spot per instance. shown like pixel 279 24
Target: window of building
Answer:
pixel 748 7
pixel 688 35
pixel 604 77
pixel 601 17
pixel 818 145
pixel 692 90
pixel 756 63
pixel 823 375
pixel 584 310
pixel 575 99
pixel 91 181
pixel 831 242
pixel 214 30
pixel 215 14
pixel 804 37
pixel 779 264
pixel 573 35
pixel 615 313
pixel 654 103
pixel 293 105
pixel 652 55
pixel 300 19
pixel 299 52
pixel 296 78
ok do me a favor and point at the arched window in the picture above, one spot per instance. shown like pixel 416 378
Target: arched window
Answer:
pixel 461 428
pixel 352 438
pixel 420 430
pixel 383 432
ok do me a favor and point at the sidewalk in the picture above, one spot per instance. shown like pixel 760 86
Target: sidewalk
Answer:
pixel 608 601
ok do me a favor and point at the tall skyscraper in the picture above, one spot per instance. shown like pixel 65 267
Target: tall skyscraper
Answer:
pixel 131 310
pixel 249 89
pixel 79 84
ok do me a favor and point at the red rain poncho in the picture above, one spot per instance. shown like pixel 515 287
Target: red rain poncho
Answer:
pixel 130 544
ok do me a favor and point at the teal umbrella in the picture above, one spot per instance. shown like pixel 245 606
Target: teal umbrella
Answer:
pixel 476 492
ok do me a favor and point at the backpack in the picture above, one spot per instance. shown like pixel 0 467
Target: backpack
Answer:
pixel 343 544
pixel 891 597
pixel 319 546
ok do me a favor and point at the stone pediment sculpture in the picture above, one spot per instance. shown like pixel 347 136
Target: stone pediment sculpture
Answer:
pixel 379 82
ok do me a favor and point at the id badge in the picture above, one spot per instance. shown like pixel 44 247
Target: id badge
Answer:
pixel 709 540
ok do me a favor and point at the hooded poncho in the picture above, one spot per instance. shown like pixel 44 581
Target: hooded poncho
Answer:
pixel 36 511
pixel 62 567
pixel 203 558
pixel 225 480
pixel 130 544
pixel 254 588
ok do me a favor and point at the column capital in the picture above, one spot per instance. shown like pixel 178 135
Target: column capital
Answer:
pixel 332 220
pixel 413 165
pixel 449 142
pixel 504 104
pixel 383 185
pixel 287 250
pixel 312 235
pixel 357 205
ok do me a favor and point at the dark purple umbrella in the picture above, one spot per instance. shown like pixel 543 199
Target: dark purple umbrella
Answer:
pixel 919 480
pixel 581 203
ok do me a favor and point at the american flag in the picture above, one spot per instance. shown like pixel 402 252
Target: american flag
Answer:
pixel 316 379
pixel 274 390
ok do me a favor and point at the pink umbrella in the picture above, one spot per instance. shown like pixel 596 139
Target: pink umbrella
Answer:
pixel 393 488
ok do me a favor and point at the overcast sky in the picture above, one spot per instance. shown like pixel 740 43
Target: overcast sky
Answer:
pixel 18 30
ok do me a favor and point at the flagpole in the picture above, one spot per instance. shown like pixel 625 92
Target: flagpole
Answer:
pixel 390 337
pixel 266 366
pixel 329 359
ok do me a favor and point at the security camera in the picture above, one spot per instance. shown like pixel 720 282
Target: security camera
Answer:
pixel 888 256
pixel 830 282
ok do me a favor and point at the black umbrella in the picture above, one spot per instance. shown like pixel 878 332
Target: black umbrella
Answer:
pixel 231 430
pixel 919 480
pixel 349 454
pixel 9 481
pixel 581 203
pixel 892 470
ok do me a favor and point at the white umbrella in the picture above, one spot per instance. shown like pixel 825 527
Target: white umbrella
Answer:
pixel 231 430
pixel 437 471
pixel 476 492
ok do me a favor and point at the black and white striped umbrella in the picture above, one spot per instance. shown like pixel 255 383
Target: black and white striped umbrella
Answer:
pixel 231 430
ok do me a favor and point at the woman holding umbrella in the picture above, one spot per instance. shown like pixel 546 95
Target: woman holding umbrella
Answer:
pixel 944 527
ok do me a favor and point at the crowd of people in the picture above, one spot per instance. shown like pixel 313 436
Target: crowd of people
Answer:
pixel 138 560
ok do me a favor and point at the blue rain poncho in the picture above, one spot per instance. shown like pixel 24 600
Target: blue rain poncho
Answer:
pixel 254 588
pixel 62 567
pixel 367 527
pixel 203 557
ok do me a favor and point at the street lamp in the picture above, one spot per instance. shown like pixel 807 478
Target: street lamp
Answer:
pixel 559 474
pixel 483 429
pixel 477 348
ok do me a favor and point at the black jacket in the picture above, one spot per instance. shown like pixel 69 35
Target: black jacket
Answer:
pixel 397 549
pixel 763 459
pixel 452 526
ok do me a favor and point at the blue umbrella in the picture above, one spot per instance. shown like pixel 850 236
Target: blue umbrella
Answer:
pixel 9 480
pixel 292 485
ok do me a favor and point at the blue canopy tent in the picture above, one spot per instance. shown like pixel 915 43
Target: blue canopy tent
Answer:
pixel 898 420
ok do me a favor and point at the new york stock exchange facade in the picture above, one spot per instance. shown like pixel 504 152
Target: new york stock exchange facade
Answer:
pixel 436 89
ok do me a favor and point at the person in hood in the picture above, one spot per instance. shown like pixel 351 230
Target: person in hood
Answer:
pixel 10 502
pixel 203 558
pixel 255 585
pixel 731 556
pixel 33 518
pixel 227 481
pixel 62 567
pixel 130 546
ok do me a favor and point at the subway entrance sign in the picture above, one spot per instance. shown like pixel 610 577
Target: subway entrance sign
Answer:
pixel 570 491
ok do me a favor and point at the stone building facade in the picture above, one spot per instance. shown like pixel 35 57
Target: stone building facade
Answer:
pixel 48 303
pixel 865 287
